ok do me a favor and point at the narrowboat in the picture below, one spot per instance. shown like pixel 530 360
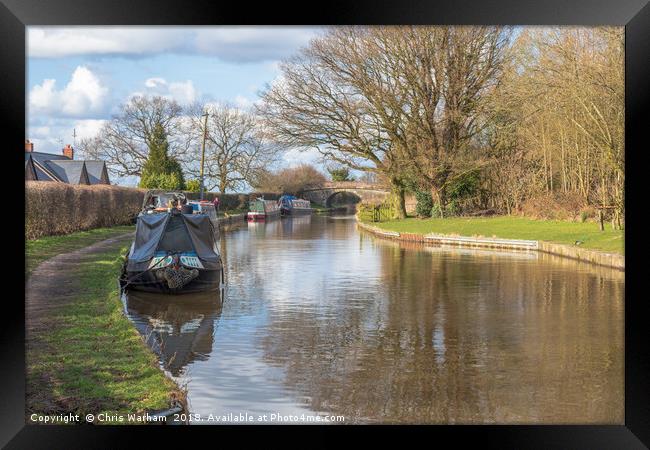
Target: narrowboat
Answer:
pixel 292 206
pixel 175 249
pixel 208 208
pixel 261 210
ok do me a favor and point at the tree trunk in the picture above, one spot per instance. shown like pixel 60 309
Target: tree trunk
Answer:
pixel 399 200
pixel 439 195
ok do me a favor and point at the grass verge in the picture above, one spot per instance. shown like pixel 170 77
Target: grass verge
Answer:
pixel 38 250
pixel 232 212
pixel 512 227
pixel 89 358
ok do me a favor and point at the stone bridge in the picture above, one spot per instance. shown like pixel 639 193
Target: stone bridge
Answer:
pixel 325 193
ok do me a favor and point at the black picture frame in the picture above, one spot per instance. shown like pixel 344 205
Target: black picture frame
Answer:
pixel 15 15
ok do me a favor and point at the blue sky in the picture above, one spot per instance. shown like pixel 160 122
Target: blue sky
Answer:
pixel 78 76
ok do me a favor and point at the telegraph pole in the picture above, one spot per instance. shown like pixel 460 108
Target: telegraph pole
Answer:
pixel 205 134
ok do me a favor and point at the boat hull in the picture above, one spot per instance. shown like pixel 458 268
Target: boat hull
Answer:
pixel 296 211
pixel 261 217
pixel 208 280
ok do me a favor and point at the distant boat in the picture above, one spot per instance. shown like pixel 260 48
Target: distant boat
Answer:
pixel 293 206
pixel 175 248
pixel 261 210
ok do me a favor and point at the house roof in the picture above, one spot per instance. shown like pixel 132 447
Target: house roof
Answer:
pixel 41 157
pixel 69 171
pixel 29 166
pixel 96 171
pixel 53 167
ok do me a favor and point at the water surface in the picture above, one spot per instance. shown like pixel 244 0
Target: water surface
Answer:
pixel 322 319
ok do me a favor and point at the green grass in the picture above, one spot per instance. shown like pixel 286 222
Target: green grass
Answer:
pixel 511 227
pixel 232 212
pixel 91 359
pixel 39 250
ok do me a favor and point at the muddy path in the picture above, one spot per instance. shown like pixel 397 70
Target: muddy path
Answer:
pixel 54 282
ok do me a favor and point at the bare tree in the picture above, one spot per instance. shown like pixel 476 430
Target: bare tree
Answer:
pixel 124 140
pixel 237 147
pixel 315 105
pixel 392 100
pixel 565 91
pixel 290 180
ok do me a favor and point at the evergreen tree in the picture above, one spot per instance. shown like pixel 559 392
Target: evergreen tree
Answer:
pixel 340 174
pixel 161 171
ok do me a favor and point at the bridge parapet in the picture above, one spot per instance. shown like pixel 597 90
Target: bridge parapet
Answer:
pixel 347 185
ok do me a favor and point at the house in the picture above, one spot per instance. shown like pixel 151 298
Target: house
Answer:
pixel 63 168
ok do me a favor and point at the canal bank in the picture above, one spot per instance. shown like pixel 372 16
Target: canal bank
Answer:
pixel 605 259
pixel 82 353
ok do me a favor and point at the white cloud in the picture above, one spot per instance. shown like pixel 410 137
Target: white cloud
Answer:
pixel 40 132
pixel 49 135
pixel 83 95
pixel 183 92
pixel 229 43
pixel 56 42
pixel 295 157
pixel 242 102
pixel 155 82
pixel 88 128
pixel 246 44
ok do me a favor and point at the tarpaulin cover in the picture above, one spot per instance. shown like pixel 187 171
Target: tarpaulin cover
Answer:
pixel 174 234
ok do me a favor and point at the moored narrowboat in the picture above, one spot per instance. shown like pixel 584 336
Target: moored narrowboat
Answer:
pixel 175 249
pixel 208 208
pixel 261 210
pixel 293 206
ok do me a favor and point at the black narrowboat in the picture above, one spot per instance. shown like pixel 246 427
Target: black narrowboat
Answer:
pixel 175 249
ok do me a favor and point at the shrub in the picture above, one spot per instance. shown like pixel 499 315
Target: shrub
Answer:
pixel 452 208
pixel 556 206
pixel 193 186
pixel 57 208
pixel 424 203
pixel 436 211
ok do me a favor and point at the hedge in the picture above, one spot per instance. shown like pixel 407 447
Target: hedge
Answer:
pixel 58 208
pixel 232 201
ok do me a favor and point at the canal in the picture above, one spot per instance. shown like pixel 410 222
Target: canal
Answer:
pixel 319 318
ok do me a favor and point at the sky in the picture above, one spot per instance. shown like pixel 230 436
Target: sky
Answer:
pixel 77 77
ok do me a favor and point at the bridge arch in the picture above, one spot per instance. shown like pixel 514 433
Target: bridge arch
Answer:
pixel 350 195
pixel 323 195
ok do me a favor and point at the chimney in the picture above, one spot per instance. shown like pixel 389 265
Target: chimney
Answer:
pixel 68 151
pixel 29 146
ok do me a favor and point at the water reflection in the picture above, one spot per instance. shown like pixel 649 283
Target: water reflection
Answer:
pixel 321 318
pixel 179 329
